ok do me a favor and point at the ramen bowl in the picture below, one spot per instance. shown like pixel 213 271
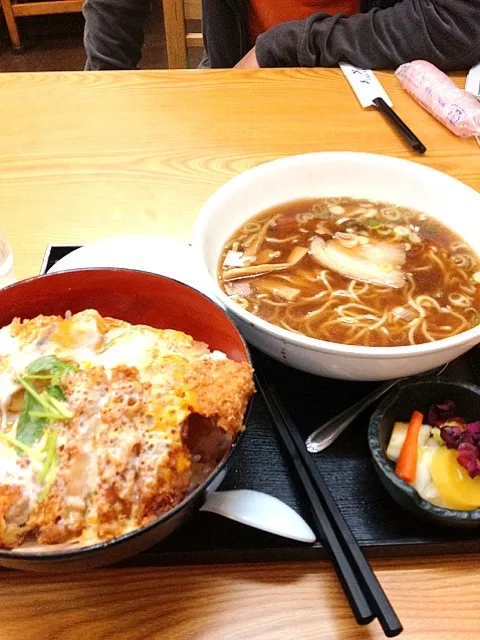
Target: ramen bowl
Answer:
pixel 139 298
pixel 324 175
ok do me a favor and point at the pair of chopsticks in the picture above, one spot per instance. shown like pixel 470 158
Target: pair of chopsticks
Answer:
pixel 364 593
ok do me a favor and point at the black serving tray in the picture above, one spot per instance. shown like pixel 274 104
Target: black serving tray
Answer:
pixel 381 527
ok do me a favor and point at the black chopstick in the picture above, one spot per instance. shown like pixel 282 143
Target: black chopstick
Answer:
pixel 358 602
pixel 355 573
pixel 400 126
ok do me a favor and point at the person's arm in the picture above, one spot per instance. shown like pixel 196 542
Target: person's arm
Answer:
pixel 444 32
pixel 114 33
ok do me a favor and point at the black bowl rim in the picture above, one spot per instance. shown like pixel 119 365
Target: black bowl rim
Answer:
pixel 384 465
pixel 100 546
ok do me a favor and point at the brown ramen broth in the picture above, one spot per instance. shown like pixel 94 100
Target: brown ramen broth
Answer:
pixel 353 271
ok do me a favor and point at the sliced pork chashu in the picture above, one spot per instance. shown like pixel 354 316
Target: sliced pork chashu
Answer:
pixel 377 263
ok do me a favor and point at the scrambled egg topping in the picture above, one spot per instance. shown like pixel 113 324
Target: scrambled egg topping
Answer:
pixel 94 422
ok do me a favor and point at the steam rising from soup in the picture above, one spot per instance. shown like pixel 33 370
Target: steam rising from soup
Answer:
pixel 354 272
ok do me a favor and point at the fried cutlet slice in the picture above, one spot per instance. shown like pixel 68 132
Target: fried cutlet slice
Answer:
pixel 124 458
pixel 220 391
pixel 118 444
pixel 64 511
pixel 14 515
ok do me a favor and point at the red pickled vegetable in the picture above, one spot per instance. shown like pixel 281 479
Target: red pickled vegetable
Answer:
pixel 473 430
pixel 440 413
pixel 467 444
pixel 407 461
pixel 465 438
pixel 452 436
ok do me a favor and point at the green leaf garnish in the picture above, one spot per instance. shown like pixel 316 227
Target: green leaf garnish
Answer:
pixel 56 392
pixel 20 445
pixel 38 409
pixel 41 407
pixel 49 480
pixel 51 364
pixel 48 472
pixel 56 408
pixel 30 428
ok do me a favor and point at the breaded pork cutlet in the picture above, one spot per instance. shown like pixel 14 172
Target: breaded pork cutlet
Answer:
pixel 101 421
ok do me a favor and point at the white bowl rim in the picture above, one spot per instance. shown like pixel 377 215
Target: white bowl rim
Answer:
pixel 315 344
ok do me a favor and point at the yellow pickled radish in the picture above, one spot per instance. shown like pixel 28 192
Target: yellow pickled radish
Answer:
pixel 455 487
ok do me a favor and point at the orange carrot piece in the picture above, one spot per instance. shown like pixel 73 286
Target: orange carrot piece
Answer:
pixel 407 461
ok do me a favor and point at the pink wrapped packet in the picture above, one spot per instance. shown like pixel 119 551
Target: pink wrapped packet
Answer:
pixel 453 107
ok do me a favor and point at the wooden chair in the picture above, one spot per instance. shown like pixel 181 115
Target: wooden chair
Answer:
pixel 178 16
pixel 13 10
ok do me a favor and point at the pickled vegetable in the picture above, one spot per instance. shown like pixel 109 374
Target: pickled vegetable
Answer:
pixel 455 487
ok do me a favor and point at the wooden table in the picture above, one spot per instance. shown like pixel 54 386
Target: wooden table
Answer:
pixel 89 155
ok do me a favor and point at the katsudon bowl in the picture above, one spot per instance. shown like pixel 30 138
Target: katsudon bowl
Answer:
pixel 137 298
pixel 359 176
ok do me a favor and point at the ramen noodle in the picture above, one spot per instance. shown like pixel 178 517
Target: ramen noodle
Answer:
pixel 356 272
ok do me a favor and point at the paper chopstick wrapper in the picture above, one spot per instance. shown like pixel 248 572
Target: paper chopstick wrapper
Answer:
pixel 365 84
pixel 453 107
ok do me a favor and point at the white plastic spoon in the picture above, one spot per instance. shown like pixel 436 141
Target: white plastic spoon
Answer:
pixel 261 511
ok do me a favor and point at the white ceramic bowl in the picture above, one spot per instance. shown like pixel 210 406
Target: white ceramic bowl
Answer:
pixel 356 175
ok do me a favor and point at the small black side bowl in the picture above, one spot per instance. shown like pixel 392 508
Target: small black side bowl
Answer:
pixel 399 405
